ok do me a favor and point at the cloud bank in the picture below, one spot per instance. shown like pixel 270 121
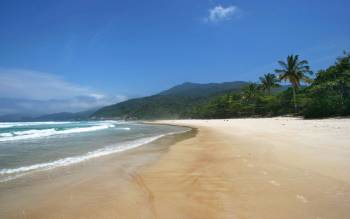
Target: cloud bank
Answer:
pixel 220 13
pixel 24 91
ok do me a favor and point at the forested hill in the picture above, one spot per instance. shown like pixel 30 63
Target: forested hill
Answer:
pixel 189 89
pixel 176 102
pixel 325 94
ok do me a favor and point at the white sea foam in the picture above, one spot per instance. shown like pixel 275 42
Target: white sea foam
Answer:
pixel 6 134
pixel 35 133
pixel 126 128
pixel 10 174
pixel 17 124
pixel 3 125
pixel 116 121
pixel 77 159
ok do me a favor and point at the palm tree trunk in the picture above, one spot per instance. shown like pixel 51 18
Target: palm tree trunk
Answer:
pixel 295 100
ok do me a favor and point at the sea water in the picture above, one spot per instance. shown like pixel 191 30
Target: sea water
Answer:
pixel 27 147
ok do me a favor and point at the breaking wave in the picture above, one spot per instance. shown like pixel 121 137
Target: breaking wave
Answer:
pixel 37 133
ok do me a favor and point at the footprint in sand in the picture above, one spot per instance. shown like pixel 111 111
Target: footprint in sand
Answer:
pixel 302 199
pixel 273 182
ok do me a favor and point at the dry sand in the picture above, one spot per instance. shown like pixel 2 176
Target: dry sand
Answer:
pixel 255 168
pixel 239 168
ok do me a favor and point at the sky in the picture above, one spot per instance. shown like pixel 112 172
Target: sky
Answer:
pixel 71 55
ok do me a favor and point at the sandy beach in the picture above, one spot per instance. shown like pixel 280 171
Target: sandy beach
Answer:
pixel 237 168
pixel 256 168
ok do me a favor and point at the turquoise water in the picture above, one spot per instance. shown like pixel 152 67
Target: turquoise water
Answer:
pixel 27 147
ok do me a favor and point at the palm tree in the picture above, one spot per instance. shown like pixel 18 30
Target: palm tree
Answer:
pixel 250 92
pixel 295 71
pixel 269 81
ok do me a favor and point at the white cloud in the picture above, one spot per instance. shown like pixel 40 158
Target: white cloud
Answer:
pixel 220 13
pixel 16 83
pixel 24 91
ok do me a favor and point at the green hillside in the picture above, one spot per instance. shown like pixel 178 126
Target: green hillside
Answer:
pixel 203 90
pixel 177 102
pixel 323 95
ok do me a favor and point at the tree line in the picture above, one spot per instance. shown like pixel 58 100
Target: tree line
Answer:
pixel 324 94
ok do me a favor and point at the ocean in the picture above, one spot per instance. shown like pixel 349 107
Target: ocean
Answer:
pixel 27 147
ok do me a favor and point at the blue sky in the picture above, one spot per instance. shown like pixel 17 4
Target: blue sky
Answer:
pixel 112 50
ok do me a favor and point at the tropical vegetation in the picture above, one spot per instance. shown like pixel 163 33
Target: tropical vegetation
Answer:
pixel 325 95
pixel 292 90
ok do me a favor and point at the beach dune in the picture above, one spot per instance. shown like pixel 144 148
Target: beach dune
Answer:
pixel 237 168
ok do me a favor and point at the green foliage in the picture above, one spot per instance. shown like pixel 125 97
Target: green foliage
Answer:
pixel 251 101
pixel 203 90
pixel 154 107
pixel 225 106
pixel 269 81
pixel 328 95
pixel 177 102
pixel 294 71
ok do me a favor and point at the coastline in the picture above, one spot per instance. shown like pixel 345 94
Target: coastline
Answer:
pixel 236 168
pixel 65 192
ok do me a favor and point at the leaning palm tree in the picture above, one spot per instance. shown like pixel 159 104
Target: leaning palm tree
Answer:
pixel 269 81
pixel 295 71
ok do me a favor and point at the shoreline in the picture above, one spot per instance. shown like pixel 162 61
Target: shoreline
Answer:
pixel 76 159
pixel 236 168
pixel 25 196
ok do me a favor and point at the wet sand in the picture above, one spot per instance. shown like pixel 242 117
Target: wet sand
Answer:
pixel 239 168
pixel 106 187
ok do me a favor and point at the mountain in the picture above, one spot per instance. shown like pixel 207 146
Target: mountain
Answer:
pixel 16 117
pixel 202 90
pixel 176 102
pixel 63 116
